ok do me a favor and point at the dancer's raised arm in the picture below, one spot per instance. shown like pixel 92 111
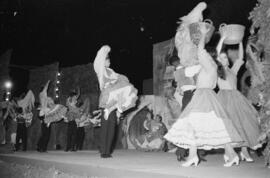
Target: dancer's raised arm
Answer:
pixel 239 62
pixel 43 95
pixel 44 91
pixel 220 44
pixel 99 64
pixel 78 92
pixel 203 56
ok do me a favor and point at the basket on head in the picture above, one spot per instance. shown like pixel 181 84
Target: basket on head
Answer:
pixel 234 33
pixel 195 32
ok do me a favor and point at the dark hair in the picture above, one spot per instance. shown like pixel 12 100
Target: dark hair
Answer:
pixel 220 69
pixel 79 103
pixel 71 94
pixel 41 88
pixel 173 59
pixel 159 116
pixel 19 110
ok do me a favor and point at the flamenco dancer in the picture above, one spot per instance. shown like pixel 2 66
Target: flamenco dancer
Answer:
pixel 185 78
pixel 72 114
pixel 49 112
pixel 204 123
pixel 186 63
pixel 240 110
pixel 117 95
pixel 21 130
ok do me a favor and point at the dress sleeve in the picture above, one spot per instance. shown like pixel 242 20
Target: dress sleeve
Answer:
pixel 99 64
pixel 205 59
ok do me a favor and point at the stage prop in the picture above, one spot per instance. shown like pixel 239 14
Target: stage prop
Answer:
pixel 258 64
pixel 137 136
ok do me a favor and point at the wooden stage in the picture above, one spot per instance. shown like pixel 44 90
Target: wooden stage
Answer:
pixel 136 164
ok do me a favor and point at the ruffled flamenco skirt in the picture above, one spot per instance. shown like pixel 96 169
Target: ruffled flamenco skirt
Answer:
pixel 122 94
pixel 243 115
pixel 204 124
pixel 56 114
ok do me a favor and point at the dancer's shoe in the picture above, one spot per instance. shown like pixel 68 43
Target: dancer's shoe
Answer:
pixel 226 158
pixel 190 162
pixel 246 158
pixel 235 161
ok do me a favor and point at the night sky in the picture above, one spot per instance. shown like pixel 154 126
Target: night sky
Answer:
pixel 71 31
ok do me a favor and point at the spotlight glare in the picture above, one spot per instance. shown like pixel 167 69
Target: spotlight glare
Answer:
pixel 8 84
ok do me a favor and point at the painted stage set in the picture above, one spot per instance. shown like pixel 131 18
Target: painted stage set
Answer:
pixel 136 164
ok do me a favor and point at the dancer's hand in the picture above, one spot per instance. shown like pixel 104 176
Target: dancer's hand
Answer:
pixel 106 48
pixel 204 29
pixel 118 114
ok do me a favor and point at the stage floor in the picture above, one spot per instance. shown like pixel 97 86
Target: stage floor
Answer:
pixel 132 163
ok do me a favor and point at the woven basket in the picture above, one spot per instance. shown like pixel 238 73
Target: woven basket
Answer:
pixel 195 32
pixel 234 33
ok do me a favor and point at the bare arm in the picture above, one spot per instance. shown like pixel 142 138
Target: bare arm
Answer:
pixel 46 86
pixel 239 62
pixel 78 93
pixel 6 113
pixel 220 43
pixel 44 91
pixel 203 56
pixel 43 95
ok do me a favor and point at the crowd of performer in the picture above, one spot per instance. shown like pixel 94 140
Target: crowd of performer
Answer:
pixel 209 119
pixel 116 96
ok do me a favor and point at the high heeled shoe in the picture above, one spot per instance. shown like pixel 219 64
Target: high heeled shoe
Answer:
pixel 190 162
pixel 235 161
pixel 226 158
pixel 245 158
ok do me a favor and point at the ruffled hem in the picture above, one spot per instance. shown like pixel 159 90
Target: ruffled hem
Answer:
pixel 123 95
pixel 56 114
pixel 204 123
pixel 204 130
pixel 243 115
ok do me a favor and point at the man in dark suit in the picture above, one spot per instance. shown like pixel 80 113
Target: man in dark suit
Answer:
pixel 44 137
pixel 107 134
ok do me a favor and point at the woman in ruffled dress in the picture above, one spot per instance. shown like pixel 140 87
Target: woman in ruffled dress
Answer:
pixel 116 91
pixel 240 110
pixel 204 123
pixel 73 113
pixel 49 112
pixel 52 112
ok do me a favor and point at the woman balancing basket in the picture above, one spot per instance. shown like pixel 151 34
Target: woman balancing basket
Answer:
pixel 234 33
pixel 195 32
